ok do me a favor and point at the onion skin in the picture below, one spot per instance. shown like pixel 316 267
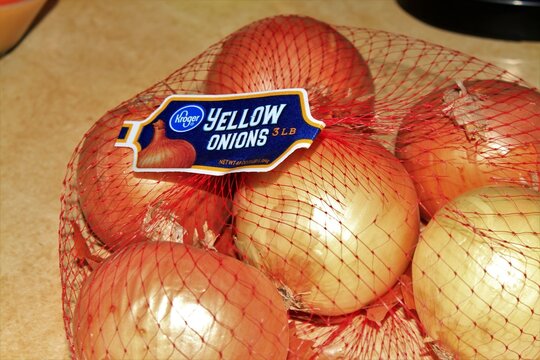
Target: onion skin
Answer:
pixel 498 141
pixel 397 337
pixel 294 51
pixel 163 300
pixel 334 226
pixel 115 200
pixel 476 274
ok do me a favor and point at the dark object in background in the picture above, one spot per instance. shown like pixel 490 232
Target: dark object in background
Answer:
pixel 501 19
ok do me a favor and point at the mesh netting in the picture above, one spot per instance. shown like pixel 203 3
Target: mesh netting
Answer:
pixel 409 229
pixel 476 274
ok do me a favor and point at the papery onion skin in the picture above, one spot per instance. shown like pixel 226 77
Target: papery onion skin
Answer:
pixel 476 274
pixel 294 51
pixel 163 152
pixel 446 161
pixel 115 200
pixel 399 336
pixel 163 300
pixel 334 225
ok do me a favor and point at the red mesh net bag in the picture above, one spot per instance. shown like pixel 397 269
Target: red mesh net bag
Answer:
pixel 410 229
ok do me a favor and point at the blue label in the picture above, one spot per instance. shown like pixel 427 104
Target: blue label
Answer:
pixel 219 134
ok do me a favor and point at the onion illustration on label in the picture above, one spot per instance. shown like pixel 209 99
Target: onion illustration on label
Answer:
pixel 163 152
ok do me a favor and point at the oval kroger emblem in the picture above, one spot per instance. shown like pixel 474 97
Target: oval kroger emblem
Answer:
pixel 186 118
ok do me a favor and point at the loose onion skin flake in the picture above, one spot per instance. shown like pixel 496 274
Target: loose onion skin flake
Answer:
pixel 469 135
pixel 334 226
pixel 163 300
pixel 476 274
pixel 290 52
pixel 398 336
pixel 120 205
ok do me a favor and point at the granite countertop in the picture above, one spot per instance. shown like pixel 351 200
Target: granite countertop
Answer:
pixel 85 57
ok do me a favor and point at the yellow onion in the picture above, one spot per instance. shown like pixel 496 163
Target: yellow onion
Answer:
pixel 334 225
pixel 122 206
pixel 164 300
pixel 163 152
pixel 297 51
pixel 476 274
pixel 469 135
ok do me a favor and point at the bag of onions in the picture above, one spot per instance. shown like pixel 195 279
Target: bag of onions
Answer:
pixel 308 191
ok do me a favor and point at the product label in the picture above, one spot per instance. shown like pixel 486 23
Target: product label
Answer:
pixel 219 134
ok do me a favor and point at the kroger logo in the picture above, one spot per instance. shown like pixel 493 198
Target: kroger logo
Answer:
pixel 186 118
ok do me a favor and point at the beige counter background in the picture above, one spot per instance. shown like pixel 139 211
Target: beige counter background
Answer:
pixel 87 56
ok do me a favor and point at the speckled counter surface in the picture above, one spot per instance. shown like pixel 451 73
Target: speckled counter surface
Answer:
pixel 84 58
